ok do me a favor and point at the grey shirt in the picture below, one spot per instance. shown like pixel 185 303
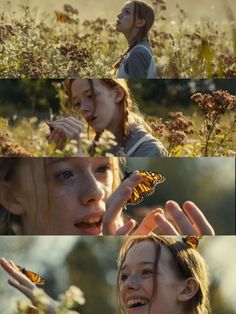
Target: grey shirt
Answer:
pixel 138 63
pixel 149 146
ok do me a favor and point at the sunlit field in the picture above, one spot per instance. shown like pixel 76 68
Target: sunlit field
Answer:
pixel 208 130
pixel 57 46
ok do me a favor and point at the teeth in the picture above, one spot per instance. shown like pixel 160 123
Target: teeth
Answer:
pixel 92 220
pixel 136 301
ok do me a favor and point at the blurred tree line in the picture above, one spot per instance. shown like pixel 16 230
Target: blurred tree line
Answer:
pixel 26 97
pixel 199 180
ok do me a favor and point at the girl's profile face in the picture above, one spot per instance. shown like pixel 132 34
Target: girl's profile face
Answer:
pixel 103 114
pixel 137 281
pixel 69 196
pixel 125 19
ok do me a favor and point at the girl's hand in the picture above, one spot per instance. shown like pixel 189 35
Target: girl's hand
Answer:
pixel 24 285
pixel 63 130
pixel 175 221
pixel 170 221
pixel 112 221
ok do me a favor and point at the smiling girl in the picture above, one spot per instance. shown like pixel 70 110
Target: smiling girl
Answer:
pixel 156 275
pixel 134 22
pixel 159 275
pixel 81 196
pixel 106 104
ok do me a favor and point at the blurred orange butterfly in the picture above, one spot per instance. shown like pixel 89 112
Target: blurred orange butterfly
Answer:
pixel 35 278
pixel 192 241
pixel 146 187
pixel 62 17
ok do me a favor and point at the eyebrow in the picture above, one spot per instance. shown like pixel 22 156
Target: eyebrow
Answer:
pixel 84 92
pixel 141 264
pixel 54 160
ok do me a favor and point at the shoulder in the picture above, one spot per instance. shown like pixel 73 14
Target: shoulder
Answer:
pixel 149 146
pixel 141 51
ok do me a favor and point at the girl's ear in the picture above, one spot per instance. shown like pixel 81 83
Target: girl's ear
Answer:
pixel 188 290
pixel 8 199
pixel 140 23
pixel 119 94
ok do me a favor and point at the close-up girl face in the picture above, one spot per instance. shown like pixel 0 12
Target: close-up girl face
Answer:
pixel 125 19
pixel 102 111
pixel 145 289
pixel 62 195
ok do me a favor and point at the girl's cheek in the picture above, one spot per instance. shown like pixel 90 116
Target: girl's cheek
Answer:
pixel 108 191
pixel 108 186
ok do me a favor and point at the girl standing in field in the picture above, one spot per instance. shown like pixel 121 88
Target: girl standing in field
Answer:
pixel 80 196
pixel 134 21
pixel 156 275
pixel 106 104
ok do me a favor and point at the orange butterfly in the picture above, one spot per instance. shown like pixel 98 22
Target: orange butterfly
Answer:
pixel 62 17
pixel 192 241
pixel 35 278
pixel 146 187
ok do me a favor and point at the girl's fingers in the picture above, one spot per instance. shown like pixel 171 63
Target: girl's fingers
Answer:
pixel 199 221
pixel 72 121
pixel 124 191
pixel 116 202
pixel 178 218
pixel 127 228
pixel 15 273
pixel 28 292
pixel 165 226
pixel 149 223
pixel 71 128
pixel 58 137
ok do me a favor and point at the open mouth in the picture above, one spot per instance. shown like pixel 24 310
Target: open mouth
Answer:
pixel 90 226
pixel 90 119
pixel 136 303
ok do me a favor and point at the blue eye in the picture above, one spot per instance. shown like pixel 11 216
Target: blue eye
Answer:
pixel 64 175
pixel 103 169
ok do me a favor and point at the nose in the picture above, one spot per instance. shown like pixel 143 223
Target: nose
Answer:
pixel 132 282
pixel 92 191
pixel 119 15
pixel 85 107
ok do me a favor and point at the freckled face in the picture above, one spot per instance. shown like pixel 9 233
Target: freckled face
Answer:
pixel 137 281
pixel 103 115
pixel 71 197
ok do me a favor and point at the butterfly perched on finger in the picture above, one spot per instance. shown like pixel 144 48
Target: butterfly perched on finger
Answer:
pixel 35 278
pixel 62 17
pixel 192 241
pixel 145 187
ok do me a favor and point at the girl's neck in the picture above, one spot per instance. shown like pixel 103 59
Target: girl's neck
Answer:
pixel 117 133
pixel 133 42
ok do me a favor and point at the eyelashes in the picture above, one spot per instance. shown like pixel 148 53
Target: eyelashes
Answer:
pixel 66 174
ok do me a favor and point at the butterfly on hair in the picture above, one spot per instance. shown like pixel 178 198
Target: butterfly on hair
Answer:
pixel 144 188
pixel 192 241
pixel 62 17
pixel 35 278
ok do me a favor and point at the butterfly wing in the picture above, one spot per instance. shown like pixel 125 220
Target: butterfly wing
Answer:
pixel 192 241
pixel 62 17
pixel 35 278
pixel 146 187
